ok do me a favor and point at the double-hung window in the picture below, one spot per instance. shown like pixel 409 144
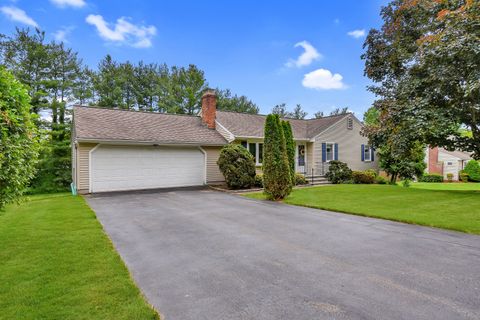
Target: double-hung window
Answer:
pixel 330 152
pixel 256 149
pixel 367 153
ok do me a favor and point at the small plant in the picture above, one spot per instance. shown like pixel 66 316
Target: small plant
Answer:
pixel 406 183
pixel 338 172
pixel 300 179
pixel 473 170
pixel 380 180
pixel 449 177
pixel 431 178
pixel 259 181
pixel 364 177
pixel 237 166
pixel 463 176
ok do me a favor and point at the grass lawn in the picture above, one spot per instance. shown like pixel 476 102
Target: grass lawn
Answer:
pixel 57 263
pixel 446 186
pixel 450 209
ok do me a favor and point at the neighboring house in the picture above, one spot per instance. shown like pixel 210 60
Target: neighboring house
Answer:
pixel 443 162
pixel 115 150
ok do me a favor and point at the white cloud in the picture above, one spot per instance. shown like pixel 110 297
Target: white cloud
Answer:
pixel 17 14
pixel 61 34
pixel 123 32
pixel 307 57
pixel 322 79
pixel 357 33
pixel 69 3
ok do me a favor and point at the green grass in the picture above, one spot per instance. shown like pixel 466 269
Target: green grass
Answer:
pixel 447 186
pixel 449 209
pixel 57 263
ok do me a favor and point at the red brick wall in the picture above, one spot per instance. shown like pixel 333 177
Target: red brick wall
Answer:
pixel 433 165
pixel 209 108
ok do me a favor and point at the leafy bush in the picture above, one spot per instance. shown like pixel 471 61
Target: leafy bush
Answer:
pixel 237 166
pixel 473 170
pixel 406 183
pixel 450 177
pixel 290 145
pixel 259 181
pixel 300 179
pixel 431 178
pixel 463 176
pixel 338 172
pixel 18 139
pixel 380 180
pixel 364 177
pixel 277 178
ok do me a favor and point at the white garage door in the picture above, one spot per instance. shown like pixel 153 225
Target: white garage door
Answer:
pixel 116 168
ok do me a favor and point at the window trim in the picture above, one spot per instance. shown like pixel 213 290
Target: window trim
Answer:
pixel 257 153
pixel 367 150
pixel 333 151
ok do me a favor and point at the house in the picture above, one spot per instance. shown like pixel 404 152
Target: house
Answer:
pixel 114 150
pixel 441 161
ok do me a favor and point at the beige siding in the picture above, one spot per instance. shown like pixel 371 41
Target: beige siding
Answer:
pixel 213 172
pixel 83 153
pixel 310 159
pixel 349 146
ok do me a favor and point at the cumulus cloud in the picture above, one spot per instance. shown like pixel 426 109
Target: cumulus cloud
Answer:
pixel 307 57
pixel 123 32
pixel 61 34
pixel 17 14
pixel 322 79
pixel 69 3
pixel 357 33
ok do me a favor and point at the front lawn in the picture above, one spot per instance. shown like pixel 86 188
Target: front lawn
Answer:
pixel 57 263
pixel 456 210
pixel 447 186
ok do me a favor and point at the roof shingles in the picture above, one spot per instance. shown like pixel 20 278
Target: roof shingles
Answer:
pixel 93 123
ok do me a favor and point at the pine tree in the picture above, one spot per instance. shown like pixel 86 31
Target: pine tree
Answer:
pixel 290 145
pixel 276 171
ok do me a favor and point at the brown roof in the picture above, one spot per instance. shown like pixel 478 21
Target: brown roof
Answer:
pixel 252 125
pixel 457 154
pixel 91 123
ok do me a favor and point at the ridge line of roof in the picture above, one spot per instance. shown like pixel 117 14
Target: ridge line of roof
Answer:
pixel 264 115
pixel 135 111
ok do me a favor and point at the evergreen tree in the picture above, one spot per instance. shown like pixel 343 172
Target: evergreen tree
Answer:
pixel 276 171
pixel 230 102
pixel 290 145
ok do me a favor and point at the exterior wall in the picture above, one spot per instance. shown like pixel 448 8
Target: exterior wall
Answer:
pixel 213 172
pixel 349 146
pixel 83 163
pixel 310 159
pixel 434 164
pixel 450 163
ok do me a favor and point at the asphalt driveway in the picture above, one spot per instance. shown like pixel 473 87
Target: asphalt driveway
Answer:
pixel 201 254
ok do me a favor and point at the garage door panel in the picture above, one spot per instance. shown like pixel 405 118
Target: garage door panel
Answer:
pixel 116 168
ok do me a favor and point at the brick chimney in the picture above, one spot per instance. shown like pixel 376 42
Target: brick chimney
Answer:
pixel 209 108
pixel 434 166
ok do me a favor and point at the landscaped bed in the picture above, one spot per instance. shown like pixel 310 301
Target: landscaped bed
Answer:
pixel 449 209
pixel 57 263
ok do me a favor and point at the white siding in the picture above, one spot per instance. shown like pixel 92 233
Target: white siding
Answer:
pixel 213 172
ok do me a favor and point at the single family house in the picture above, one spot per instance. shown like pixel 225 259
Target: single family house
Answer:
pixel 114 150
pixel 441 161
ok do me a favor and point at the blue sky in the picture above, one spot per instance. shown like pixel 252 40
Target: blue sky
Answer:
pixel 305 52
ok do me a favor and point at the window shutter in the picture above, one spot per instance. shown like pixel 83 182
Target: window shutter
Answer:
pixel 336 152
pixel 363 152
pixel 373 154
pixel 324 152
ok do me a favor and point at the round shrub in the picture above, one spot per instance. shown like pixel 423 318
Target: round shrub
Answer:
pixel 237 166
pixel 473 170
pixel 300 179
pixel 380 180
pixel 259 180
pixel 450 177
pixel 364 177
pixel 463 176
pixel 431 178
pixel 338 172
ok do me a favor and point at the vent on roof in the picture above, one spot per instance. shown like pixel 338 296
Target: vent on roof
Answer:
pixel 349 123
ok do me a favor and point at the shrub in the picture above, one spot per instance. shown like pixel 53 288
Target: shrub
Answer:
pixel 259 181
pixel 450 177
pixel 300 179
pixel 290 145
pixel 277 179
pixel 431 178
pixel 463 176
pixel 338 172
pixel 406 183
pixel 237 166
pixel 364 177
pixel 473 170
pixel 380 180
pixel 18 139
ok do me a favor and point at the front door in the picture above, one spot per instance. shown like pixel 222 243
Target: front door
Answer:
pixel 300 163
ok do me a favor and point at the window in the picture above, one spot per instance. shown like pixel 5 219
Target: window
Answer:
pixel 256 149
pixel 330 153
pixel 367 154
pixel 244 144
pixel 349 123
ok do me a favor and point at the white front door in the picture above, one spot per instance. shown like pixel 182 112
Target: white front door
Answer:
pixel 300 158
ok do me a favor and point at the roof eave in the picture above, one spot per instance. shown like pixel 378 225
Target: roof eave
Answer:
pixel 149 142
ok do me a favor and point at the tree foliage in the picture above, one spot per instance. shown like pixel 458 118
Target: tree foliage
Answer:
pixel 237 166
pixel 290 145
pixel 297 113
pixel 231 102
pixel 18 139
pixel 426 65
pixel 277 180
pixel 472 169
pixel 339 111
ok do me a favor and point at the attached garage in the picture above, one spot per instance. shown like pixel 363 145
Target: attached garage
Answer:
pixel 117 168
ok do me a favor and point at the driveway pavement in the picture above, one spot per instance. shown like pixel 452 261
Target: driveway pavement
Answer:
pixel 201 254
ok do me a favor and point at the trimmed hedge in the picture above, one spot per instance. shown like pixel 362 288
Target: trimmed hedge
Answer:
pixel 431 178
pixel 338 172
pixel 364 177
pixel 300 179
pixel 237 166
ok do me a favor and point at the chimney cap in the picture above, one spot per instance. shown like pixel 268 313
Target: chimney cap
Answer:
pixel 209 92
